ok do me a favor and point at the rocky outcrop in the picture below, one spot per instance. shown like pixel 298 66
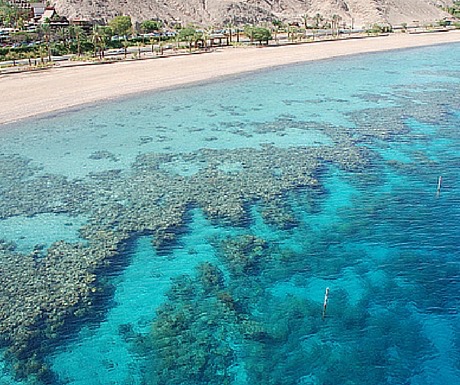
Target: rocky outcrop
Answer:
pixel 222 12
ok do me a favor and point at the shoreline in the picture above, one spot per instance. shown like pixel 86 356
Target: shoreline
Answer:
pixel 32 94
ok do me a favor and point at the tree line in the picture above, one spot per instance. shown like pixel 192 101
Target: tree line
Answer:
pixel 46 40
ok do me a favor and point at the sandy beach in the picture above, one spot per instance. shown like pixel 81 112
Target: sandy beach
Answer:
pixel 28 94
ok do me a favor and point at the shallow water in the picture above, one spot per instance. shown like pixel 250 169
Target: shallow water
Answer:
pixel 197 230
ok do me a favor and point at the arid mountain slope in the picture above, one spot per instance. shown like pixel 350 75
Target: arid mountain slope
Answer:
pixel 220 12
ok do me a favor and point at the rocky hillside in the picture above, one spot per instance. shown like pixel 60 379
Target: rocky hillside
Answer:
pixel 220 12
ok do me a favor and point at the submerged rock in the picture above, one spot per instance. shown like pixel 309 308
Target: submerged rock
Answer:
pixel 43 290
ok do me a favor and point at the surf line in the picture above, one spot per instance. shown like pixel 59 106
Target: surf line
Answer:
pixel 326 298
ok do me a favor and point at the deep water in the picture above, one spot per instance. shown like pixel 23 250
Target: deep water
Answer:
pixel 197 230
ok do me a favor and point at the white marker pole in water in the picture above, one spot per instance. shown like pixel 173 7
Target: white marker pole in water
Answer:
pixel 438 190
pixel 326 297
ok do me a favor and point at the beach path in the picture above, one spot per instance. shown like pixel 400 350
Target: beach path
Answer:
pixel 29 94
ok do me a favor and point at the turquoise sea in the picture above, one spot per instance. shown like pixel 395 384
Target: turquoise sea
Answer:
pixel 188 236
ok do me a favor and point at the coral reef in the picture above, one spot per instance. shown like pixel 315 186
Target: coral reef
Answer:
pixel 211 327
pixel 41 290
pixel 191 336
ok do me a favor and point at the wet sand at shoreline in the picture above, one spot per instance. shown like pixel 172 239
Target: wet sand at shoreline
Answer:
pixel 33 93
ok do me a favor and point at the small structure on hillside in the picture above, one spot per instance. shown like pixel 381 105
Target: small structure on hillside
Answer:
pixel 47 15
pixel 85 24
pixel 38 9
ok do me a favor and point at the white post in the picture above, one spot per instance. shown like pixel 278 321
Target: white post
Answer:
pixel 326 297
pixel 438 190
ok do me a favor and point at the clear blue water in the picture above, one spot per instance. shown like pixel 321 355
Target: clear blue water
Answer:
pixel 188 236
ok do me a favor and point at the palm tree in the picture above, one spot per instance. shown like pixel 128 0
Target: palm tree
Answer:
pixel 230 27
pixel 30 56
pixel 305 19
pixel 335 25
pixel 20 22
pixel 13 56
pixel 42 52
pixel 160 48
pixel 206 35
pixel 249 32
pixel 318 19
pixel 291 31
pixel 152 42
pixel 98 40
pixel 125 46
pixel 77 32
pixel 95 37
pixel 277 24
pixel 62 34
pixel 46 30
